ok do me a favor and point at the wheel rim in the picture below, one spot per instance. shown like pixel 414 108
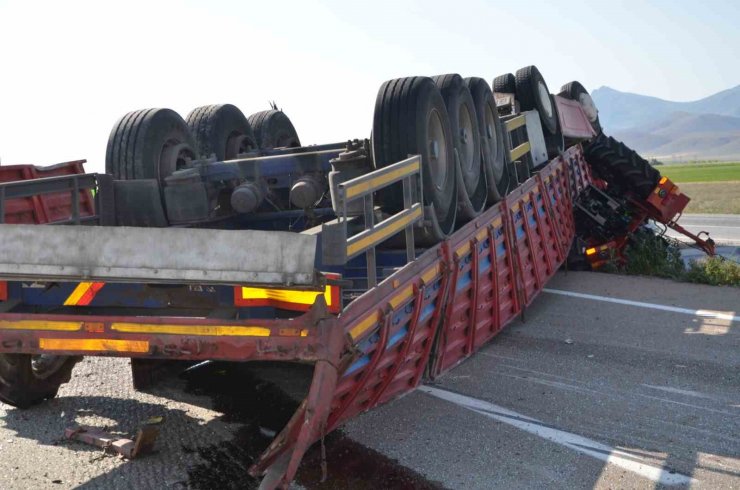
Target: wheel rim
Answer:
pixel 238 143
pixel 545 99
pixel 437 150
pixel 497 165
pixel 44 365
pixel 467 145
pixel 174 156
pixel 588 106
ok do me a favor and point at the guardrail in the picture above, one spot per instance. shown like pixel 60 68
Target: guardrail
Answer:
pixel 408 172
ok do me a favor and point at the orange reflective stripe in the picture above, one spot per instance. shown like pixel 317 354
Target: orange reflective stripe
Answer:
pixel 83 294
pixel 290 299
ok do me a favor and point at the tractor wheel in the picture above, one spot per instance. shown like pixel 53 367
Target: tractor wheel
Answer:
pixel 221 130
pixel 149 144
pixel 472 191
pixel 576 91
pixel 411 119
pixel 532 93
pixel 621 166
pixel 273 129
pixel 493 146
pixel 504 84
pixel 27 380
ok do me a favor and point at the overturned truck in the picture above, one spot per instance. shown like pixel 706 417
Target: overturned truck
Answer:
pixel 381 262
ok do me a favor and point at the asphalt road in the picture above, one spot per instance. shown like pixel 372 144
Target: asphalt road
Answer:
pixel 586 393
pixel 723 228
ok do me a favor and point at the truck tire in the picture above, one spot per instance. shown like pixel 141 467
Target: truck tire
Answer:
pixel 273 129
pixel 504 84
pixel 411 119
pixel 472 191
pixel 554 142
pixel 575 91
pixel 221 130
pixel 621 166
pixel 149 144
pixel 493 146
pixel 27 380
pixel 532 93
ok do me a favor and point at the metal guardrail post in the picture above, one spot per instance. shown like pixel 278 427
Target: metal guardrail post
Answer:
pixel 409 231
pixel 372 271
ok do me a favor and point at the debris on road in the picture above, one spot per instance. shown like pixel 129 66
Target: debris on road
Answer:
pixel 143 442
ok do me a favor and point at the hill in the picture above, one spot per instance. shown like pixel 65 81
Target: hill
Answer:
pixel 704 129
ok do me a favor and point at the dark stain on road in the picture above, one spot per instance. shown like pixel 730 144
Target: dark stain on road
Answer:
pixel 262 409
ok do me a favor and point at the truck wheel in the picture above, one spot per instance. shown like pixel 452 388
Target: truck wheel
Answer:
pixel 493 147
pixel 473 193
pixel 273 129
pixel 149 144
pixel 411 119
pixel 621 166
pixel 27 380
pixel 532 93
pixel 222 130
pixel 554 142
pixel 575 91
pixel 504 84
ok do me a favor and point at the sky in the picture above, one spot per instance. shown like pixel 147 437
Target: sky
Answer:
pixel 69 69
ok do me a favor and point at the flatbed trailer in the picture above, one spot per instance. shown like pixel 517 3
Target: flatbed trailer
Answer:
pixel 374 323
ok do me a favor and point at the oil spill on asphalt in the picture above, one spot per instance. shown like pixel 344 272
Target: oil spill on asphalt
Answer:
pixel 262 409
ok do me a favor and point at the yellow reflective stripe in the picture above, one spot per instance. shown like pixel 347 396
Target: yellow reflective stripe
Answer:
pixel 200 330
pixel 381 180
pixel 108 345
pixel 366 323
pixel 515 123
pixel 463 250
pixel 383 233
pixel 400 298
pixel 40 325
pixel 80 290
pixel 287 295
pixel 520 150
pixel 430 274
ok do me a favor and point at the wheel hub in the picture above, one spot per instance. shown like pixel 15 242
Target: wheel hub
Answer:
pixel 437 150
pixel 545 98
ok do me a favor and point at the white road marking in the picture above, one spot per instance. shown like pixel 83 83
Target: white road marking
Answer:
pixel 679 391
pixel 609 454
pixel 675 309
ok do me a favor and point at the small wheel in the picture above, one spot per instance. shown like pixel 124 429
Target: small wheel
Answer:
pixel 493 146
pixel 273 129
pixel 411 118
pixel 473 192
pixel 221 130
pixel 27 380
pixel 149 144
pixel 575 91
pixel 532 93
pixel 504 84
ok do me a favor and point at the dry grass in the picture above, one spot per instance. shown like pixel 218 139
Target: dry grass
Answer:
pixel 712 197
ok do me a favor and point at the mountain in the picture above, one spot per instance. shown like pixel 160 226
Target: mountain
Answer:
pixel 704 129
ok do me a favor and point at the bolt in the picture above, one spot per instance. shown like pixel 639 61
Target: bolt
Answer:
pixel 489 131
pixel 434 148
pixel 464 135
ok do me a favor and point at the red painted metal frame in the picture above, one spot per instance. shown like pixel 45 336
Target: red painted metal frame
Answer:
pixel 46 208
pixel 423 320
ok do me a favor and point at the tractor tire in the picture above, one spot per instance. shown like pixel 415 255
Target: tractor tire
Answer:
pixel 27 380
pixel 504 84
pixel 621 166
pixel 221 130
pixel 411 119
pixel 273 129
pixel 575 91
pixel 149 144
pixel 472 192
pixel 532 93
pixel 493 146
